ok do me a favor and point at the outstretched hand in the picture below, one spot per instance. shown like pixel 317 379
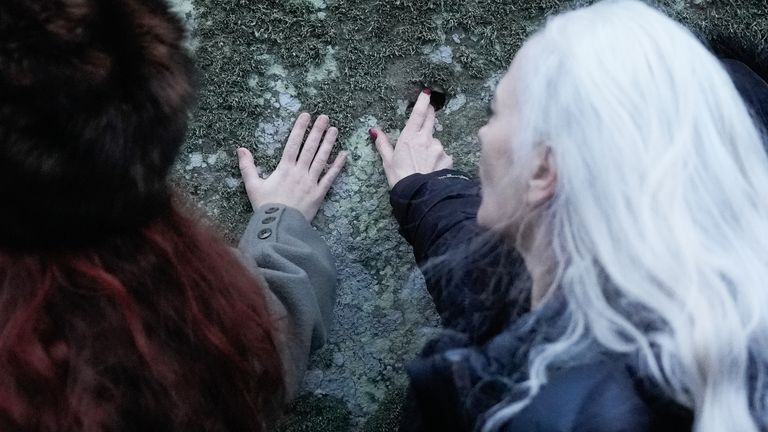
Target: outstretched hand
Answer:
pixel 298 180
pixel 417 151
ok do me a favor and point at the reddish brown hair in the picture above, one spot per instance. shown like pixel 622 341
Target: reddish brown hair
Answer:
pixel 116 312
pixel 160 330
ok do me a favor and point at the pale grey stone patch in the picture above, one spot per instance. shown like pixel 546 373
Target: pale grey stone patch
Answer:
pixel 286 95
pixel 276 69
pixel 442 54
pixel 456 103
pixel 369 121
pixel 286 92
pixel 319 4
pixel 271 134
pixel 212 158
pixel 326 70
pixel 195 161
pixel 232 183
pixel 202 160
pixel 289 102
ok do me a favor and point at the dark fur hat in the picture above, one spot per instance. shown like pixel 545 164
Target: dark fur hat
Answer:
pixel 94 99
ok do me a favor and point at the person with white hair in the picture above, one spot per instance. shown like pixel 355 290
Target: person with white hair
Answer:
pixel 625 169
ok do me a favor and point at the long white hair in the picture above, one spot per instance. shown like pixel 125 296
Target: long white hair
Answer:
pixel 660 211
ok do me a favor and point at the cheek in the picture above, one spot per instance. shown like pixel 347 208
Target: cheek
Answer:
pixel 481 134
pixel 485 215
pixel 493 161
pixel 485 146
pixel 503 195
pixel 489 213
pixel 495 167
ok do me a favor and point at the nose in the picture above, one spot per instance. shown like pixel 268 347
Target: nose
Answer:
pixel 480 134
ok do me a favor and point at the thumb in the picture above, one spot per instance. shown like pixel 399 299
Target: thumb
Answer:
pixel 248 169
pixel 382 144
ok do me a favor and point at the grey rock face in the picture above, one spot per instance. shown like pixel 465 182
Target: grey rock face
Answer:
pixel 362 62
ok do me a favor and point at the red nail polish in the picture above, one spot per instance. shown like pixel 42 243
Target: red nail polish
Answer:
pixel 373 134
pixel 427 91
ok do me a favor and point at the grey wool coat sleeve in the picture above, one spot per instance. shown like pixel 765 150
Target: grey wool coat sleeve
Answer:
pixel 300 276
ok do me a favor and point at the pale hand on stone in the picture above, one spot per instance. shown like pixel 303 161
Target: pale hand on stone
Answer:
pixel 417 150
pixel 298 180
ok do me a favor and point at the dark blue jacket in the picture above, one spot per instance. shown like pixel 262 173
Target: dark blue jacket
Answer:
pixel 481 291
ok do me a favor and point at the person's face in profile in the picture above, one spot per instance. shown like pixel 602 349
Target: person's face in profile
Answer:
pixel 514 182
pixel 502 183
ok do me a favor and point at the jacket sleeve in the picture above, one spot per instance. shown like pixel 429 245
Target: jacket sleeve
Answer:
pixel 300 274
pixel 477 283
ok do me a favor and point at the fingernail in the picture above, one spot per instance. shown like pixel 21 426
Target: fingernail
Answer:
pixel 427 91
pixel 372 132
pixel 240 151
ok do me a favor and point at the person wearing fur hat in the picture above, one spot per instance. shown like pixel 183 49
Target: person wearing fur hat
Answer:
pixel 118 310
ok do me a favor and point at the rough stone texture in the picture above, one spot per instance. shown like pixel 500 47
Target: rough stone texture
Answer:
pixel 362 62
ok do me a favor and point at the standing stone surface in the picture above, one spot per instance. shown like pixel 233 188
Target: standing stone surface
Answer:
pixel 362 62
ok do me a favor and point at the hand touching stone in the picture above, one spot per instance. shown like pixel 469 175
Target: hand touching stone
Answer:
pixel 297 181
pixel 417 151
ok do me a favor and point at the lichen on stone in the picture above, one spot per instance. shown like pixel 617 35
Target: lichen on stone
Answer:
pixel 363 62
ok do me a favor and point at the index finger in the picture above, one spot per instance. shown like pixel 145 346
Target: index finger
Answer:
pixel 429 121
pixel 419 114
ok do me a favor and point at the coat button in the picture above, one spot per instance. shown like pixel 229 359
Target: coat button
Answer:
pixel 265 233
pixel 268 220
pixel 271 210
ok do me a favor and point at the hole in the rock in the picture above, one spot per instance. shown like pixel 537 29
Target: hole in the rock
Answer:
pixel 438 97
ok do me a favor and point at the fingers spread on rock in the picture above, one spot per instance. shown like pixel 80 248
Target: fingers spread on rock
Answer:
pixel 333 172
pixel 383 145
pixel 313 141
pixel 291 152
pixel 323 153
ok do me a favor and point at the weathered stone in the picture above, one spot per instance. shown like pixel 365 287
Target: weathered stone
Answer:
pixel 360 61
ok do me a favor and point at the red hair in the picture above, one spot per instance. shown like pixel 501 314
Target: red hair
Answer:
pixel 161 329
